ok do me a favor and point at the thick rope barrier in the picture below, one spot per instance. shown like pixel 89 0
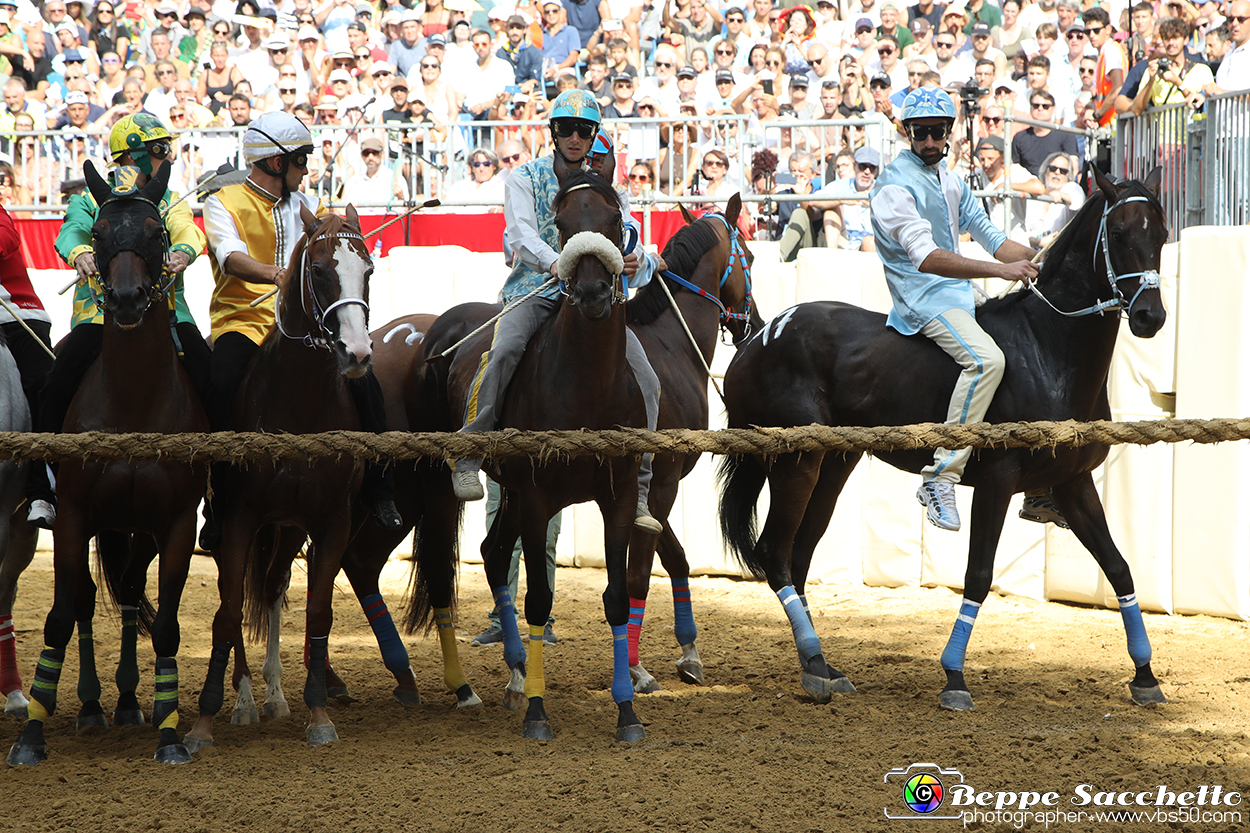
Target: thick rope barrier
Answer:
pixel 241 448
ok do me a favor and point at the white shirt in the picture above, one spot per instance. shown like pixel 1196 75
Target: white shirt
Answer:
pixel 480 84
pixel 379 188
pixel 224 238
pixel 1234 72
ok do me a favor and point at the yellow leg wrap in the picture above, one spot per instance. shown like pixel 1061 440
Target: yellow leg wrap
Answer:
pixel 36 711
pixel 535 685
pixel 170 722
pixel 453 673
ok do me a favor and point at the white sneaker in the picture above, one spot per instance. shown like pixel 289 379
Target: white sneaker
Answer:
pixel 467 485
pixel 42 514
pixel 644 521
pixel 938 499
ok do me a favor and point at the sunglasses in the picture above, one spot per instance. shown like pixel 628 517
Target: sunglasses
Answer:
pixel 1087 70
pixel 344 63
pixel 103 11
pixel 991 120
pixel 279 51
pixel 161 71
pixel 177 115
pixel 1238 18
pixel 286 92
pixel 1074 35
pixel 300 160
pixel 735 20
pixel 1093 30
pixel 1040 105
pixel 885 51
pixel 942 44
pixel 480 163
pixel 222 33
pixel 383 74
pixel 640 177
pixel 429 66
pixel 864 166
pixel 372 152
pixel 714 163
pixel 665 64
pixel 815 62
pixel 159 150
pixel 647 107
pixel 508 160
pixel 920 132
pixel 111 61
pixel 360 56
pixel 566 128
pixel 1055 169
pixel 724 52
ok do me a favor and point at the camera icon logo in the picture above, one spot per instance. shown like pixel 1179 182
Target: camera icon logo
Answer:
pixel 923 790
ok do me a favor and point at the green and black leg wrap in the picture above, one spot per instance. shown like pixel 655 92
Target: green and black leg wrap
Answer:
pixel 315 686
pixel 31 749
pixel 214 691
pixel 170 750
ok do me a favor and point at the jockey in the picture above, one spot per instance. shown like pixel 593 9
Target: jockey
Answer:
pixel 931 283
pixel 532 236
pixel 139 146
pixel 252 230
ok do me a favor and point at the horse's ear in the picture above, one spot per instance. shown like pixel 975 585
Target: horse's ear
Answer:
pixel 1154 179
pixel 686 215
pixel 353 219
pixel 732 208
pixel 608 169
pixel 155 190
pixel 1108 188
pixel 95 183
pixel 560 167
pixel 307 218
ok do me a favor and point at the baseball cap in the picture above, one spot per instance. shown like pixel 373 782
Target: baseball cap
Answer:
pixel 73 56
pixel 920 26
pixel 881 78
pixel 990 143
pixel 278 42
pixel 66 26
pixel 686 72
pixel 982 28
pixel 352 102
pixel 393 16
pixel 77 97
pixel 436 39
pixel 889 6
pixel 724 75
pixel 381 66
pixel 196 10
pixel 400 81
pixel 1077 25
pixel 309 33
pixel 516 20
pixel 520 98
pixel 344 55
pixel 622 78
pixel 864 23
pixel 371 143
pixel 410 16
pixel 868 156
pixel 497 13
pixel 167 8
pixel 362 8
pixel 798 81
pixel 340 75
pixel 359 27
pixel 328 102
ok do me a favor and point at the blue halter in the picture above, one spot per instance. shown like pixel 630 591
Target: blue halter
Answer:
pixel 736 252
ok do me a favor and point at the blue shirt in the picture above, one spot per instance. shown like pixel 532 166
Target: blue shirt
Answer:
pixel 558 47
pixel 527 62
pixel 915 211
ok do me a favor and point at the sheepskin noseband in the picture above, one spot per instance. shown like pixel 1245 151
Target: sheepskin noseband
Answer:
pixel 590 243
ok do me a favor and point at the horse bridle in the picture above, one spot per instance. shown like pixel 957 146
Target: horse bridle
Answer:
pixel 736 251
pixel 626 245
pixel 1149 278
pixel 167 277
pixel 307 290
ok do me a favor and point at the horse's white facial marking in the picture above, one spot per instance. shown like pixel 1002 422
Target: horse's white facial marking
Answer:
pixel 1145 223
pixel 778 324
pixel 414 336
pixel 353 325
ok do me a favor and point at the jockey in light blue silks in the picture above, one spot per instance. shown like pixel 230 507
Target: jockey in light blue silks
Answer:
pixel 533 239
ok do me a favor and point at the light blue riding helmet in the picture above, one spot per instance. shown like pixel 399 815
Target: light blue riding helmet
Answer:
pixel 928 103
pixel 602 145
pixel 576 104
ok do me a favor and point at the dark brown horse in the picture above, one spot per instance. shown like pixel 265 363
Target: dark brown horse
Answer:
pixel 836 364
pixel 712 290
pixel 136 509
pixel 295 383
pixel 574 374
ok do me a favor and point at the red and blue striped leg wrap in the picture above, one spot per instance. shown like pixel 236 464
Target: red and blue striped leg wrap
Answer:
pixel 394 654
pixel 637 608
pixel 10 677
pixel 683 614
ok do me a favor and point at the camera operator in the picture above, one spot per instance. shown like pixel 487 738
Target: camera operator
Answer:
pixel 1171 78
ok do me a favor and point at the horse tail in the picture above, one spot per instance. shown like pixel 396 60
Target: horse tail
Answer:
pixel 256 596
pixel 114 551
pixel 435 552
pixel 741 479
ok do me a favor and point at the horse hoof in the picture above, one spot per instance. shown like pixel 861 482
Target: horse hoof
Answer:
pixel 822 689
pixel 341 695
pixel 647 686
pixel 92 722
pixel 128 717
pixel 28 754
pixel 690 672
pixel 15 704
pixel 407 696
pixel 466 697
pixel 245 716
pixel 514 700
pixel 174 753
pixel 321 735
pixel 630 734
pixel 277 709
pixel 538 730
pixel 955 701
pixel 194 745
pixel 1145 695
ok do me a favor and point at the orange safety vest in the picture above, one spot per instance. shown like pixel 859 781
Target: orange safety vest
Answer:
pixel 1102 86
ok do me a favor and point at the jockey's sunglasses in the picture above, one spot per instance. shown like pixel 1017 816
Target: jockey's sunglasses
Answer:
pixel 920 132
pixel 564 128
pixel 158 150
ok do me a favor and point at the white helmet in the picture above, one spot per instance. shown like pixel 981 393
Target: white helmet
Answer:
pixel 275 134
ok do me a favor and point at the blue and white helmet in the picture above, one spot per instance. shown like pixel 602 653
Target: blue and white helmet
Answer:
pixel 928 103
pixel 576 104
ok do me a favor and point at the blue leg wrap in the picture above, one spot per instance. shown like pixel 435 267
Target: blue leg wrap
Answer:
pixel 513 650
pixel 622 688
pixel 683 614
pixel 807 610
pixel 394 654
pixel 1135 629
pixel 957 645
pixel 805 638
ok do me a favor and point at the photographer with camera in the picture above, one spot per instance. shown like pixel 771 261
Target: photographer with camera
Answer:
pixel 1170 77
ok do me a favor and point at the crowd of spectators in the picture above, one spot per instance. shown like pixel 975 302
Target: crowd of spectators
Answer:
pixel 398 96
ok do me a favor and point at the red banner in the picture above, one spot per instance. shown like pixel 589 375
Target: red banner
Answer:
pixel 475 232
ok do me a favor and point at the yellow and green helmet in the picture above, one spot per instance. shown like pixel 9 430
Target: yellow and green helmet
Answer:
pixel 132 134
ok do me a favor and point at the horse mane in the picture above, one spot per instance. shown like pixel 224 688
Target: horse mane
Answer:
pixel 584 178
pixel 1057 256
pixel 682 253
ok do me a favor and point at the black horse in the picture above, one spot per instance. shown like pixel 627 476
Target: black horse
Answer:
pixel 836 364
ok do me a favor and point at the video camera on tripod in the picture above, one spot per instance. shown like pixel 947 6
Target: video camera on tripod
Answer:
pixel 970 96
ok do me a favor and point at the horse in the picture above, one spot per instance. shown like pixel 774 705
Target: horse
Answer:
pixel 709 277
pixel 135 510
pixel 17 537
pixel 295 383
pixel 837 364
pixel 576 375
